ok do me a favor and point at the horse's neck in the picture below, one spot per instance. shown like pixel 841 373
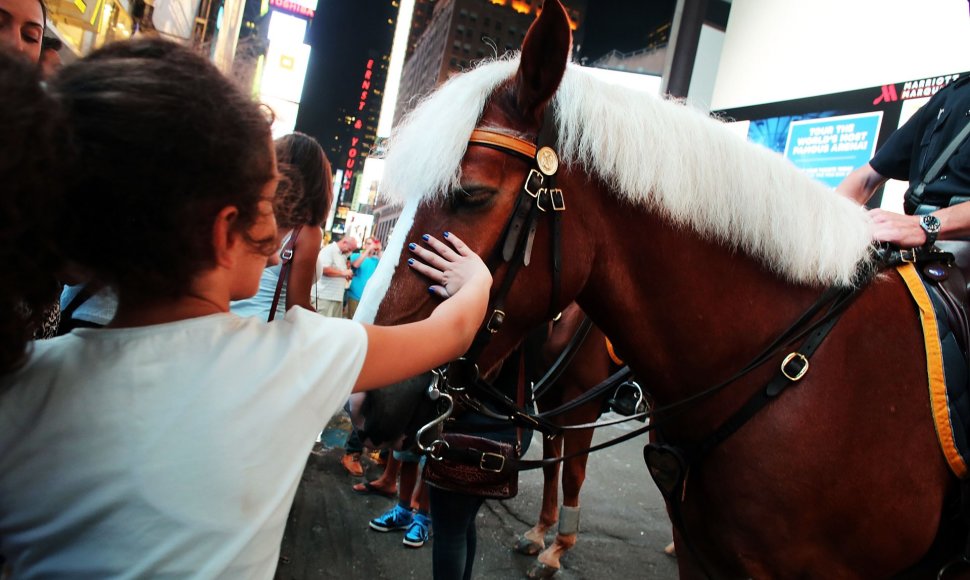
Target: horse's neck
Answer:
pixel 683 311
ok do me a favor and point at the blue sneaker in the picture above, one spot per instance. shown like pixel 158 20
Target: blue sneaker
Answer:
pixel 396 518
pixel 419 531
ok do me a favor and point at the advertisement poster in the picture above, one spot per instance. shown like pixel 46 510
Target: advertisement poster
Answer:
pixel 829 149
pixel 829 136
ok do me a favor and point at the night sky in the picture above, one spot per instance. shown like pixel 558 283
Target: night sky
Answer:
pixel 344 34
pixel 344 31
pixel 622 25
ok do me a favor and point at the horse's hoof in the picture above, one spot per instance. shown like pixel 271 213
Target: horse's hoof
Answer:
pixel 527 547
pixel 540 571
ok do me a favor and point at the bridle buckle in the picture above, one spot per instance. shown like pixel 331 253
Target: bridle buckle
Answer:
pixel 799 373
pixel 495 321
pixel 534 175
pixel 489 458
pixel 558 201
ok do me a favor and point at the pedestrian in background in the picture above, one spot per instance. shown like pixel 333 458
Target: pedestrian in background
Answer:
pixel 363 263
pixel 335 272
pixel 302 198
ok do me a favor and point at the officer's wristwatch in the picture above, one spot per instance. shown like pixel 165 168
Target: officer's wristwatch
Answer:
pixel 931 225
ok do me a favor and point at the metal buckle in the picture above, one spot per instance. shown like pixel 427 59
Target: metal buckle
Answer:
pixel 543 192
pixel 908 256
pixel 495 321
pixel 286 254
pixel 501 462
pixel 558 201
pixel 801 373
pixel 528 181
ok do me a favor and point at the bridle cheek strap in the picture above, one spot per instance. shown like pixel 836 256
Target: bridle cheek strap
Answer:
pixel 537 196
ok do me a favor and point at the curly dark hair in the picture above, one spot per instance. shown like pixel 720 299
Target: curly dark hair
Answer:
pixel 163 142
pixel 305 192
pixel 29 172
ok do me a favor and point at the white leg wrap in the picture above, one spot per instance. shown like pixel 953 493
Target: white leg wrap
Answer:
pixel 568 520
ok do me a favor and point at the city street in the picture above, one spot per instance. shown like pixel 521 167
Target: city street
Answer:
pixel 623 528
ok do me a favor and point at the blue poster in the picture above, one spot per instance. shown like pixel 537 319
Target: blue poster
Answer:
pixel 829 148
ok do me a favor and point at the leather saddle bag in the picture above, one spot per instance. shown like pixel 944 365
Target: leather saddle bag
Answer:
pixel 474 466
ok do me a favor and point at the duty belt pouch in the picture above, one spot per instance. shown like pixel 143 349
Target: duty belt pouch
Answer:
pixel 491 475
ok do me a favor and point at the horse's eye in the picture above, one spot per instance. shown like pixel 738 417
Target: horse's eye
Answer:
pixel 471 197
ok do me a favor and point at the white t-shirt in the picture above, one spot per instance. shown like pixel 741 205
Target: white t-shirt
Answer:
pixel 167 451
pixel 331 287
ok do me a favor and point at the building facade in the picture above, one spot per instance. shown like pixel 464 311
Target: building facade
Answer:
pixel 462 32
pixel 451 36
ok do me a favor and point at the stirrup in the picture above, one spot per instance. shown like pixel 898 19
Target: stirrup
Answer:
pixel 629 400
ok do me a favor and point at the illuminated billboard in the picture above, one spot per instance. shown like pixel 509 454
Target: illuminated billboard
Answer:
pixel 302 7
pixel 285 71
pixel 286 29
pixel 829 136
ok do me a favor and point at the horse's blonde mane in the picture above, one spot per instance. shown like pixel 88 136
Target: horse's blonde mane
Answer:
pixel 659 154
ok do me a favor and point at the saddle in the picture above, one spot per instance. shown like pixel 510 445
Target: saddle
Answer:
pixel 948 278
pixel 945 271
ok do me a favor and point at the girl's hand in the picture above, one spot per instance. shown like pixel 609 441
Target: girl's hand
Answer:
pixel 450 267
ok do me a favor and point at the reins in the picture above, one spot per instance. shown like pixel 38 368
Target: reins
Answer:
pixel 542 386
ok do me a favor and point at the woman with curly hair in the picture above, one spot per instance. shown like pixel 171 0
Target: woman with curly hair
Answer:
pixel 28 170
pixel 119 446
pixel 302 199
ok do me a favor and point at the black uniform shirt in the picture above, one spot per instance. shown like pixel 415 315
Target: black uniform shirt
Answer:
pixel 911 150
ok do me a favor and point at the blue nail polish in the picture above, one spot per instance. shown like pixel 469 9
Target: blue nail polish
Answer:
pixel 410 260
pixel 447 234
pixel 411 246
pixel 425 237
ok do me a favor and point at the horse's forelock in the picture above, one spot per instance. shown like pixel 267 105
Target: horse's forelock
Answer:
pixel 380 280
pixel 425 151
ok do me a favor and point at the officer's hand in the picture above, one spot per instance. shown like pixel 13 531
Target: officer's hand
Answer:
pixel 896 228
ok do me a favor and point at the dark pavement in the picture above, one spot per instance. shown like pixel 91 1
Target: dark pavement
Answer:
pixel 623 527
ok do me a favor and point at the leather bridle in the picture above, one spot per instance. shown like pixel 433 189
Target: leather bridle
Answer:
pixel 538 195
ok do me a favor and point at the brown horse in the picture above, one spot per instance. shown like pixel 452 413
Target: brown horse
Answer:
pixel 693 250
pixel 591 365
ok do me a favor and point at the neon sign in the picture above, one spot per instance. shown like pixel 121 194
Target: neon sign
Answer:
pixel 302 7
pixel 353 152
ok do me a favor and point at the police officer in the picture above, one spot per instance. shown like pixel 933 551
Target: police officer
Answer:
pixel 940 212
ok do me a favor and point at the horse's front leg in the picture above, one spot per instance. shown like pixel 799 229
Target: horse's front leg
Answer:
pixel 573 476
pixel 533 541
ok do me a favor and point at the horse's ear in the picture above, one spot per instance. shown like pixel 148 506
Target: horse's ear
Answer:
pixel 545 52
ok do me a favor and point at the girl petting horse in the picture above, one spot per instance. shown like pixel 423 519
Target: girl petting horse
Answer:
pixel 170 443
